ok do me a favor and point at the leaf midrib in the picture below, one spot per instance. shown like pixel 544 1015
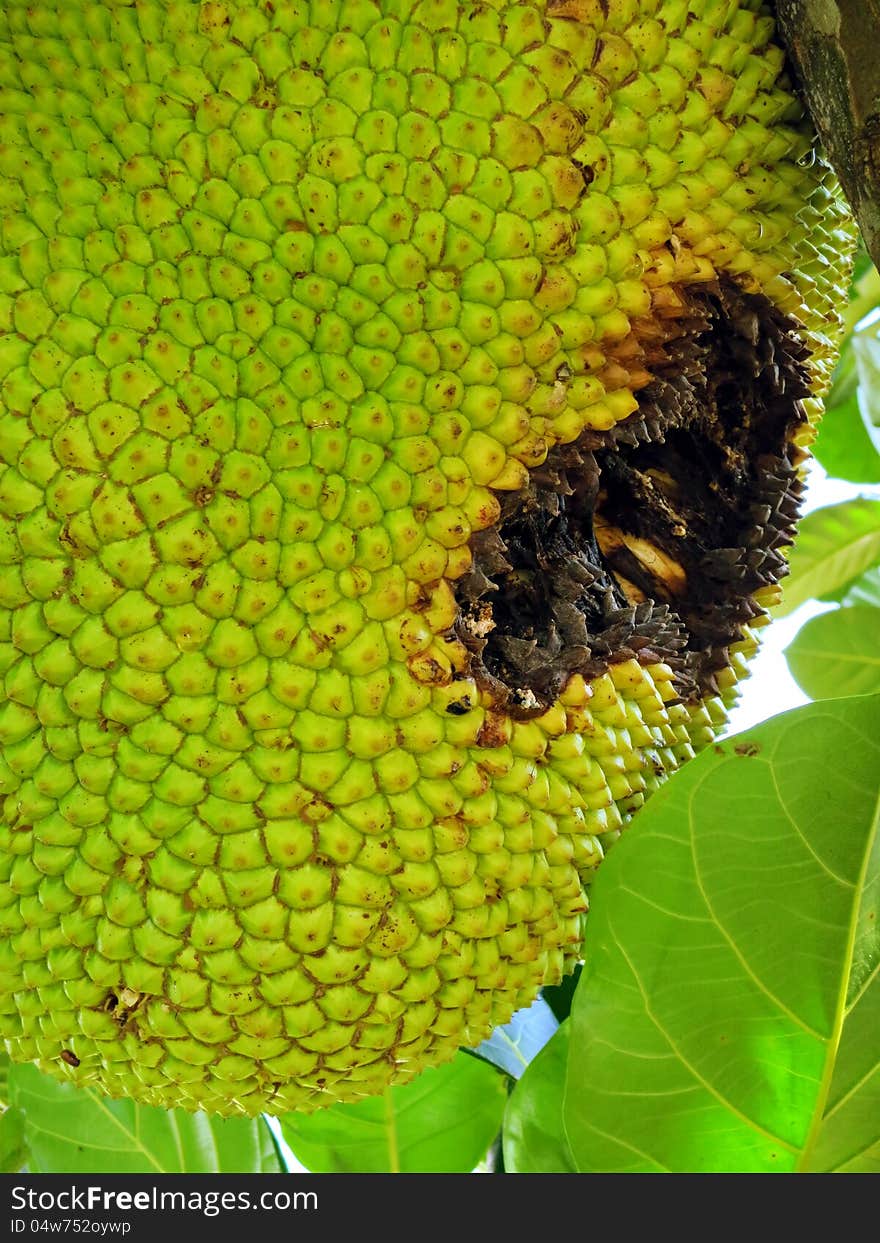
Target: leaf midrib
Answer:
pixel 841 1009
pixel 135 1147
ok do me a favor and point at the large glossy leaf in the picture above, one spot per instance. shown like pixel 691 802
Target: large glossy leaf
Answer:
pixel 443 1122
pixel 838 653
pixel 534 1137
pixel 834 546
pixel 844 447
pixel 512 1047
pixel 849 434
pixel 864 297
pixel 729 994
pixel 865 590
pixel 849 1137
pixel 13 1147
pixel 75 1131
pixel 866 347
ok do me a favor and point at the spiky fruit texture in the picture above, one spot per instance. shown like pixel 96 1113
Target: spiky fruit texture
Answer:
pixel 328 671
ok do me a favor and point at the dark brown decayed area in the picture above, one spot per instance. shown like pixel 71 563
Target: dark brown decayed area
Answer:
pixel 650 540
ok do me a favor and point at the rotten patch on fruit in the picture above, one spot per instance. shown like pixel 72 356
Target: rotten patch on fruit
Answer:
pixel 122 1006
pixel 650 541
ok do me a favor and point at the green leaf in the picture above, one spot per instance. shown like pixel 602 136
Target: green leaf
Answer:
pixel 834 546
pixel 837 653
pixel 13 1147
pixel 866 348
pixel 864 291
pixel 865 590
pixel 849 1138
pixel 77 1131
pixel 846 445
pixel 5 1063
pixel 843 446
pixel 534 1134
pixel 863 273
pixel 443 1122
pixel 512 1047
pixel 731 938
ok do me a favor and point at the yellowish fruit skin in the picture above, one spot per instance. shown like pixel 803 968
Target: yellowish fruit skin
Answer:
pixel 289 294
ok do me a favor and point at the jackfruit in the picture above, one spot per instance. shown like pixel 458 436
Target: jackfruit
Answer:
pixel 403 404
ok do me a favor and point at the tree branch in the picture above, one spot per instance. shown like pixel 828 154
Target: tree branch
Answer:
pixel 835 48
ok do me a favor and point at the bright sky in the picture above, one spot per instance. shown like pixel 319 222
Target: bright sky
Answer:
pixel 771 688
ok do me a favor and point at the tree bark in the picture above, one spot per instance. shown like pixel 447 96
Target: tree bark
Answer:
pixel 835 48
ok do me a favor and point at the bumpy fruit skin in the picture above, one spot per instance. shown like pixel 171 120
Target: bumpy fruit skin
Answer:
pixel 290 294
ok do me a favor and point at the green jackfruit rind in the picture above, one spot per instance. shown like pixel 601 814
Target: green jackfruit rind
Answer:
pixel 288 293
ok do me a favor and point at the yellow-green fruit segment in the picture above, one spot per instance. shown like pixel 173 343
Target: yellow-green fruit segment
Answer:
pixel 291 296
